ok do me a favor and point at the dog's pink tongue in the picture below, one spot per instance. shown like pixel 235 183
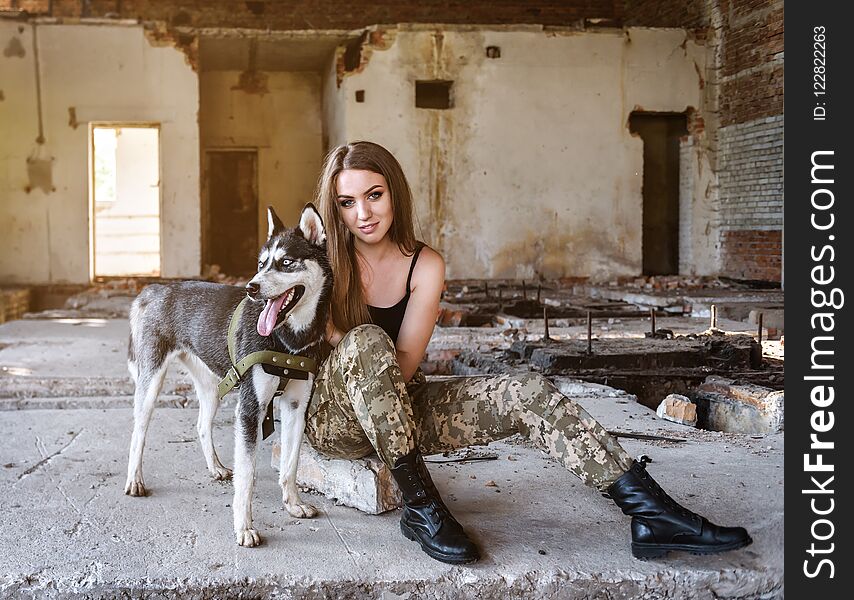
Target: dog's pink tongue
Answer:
pixel 267 320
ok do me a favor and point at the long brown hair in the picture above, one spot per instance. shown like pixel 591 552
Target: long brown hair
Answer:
pixel 348 298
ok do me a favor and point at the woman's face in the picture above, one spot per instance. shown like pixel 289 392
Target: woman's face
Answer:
pixel 364 203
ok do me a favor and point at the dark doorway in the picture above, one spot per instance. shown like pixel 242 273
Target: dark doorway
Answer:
pixel 660 134
pixel 231 218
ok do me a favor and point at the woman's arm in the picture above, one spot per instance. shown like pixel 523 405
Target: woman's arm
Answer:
pixel 428 280
pixel 333 334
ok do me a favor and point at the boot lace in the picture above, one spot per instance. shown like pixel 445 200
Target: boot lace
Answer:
pixel 436 508
pixel 652 485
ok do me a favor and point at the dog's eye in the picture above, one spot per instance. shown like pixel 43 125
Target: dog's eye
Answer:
pixel 286 262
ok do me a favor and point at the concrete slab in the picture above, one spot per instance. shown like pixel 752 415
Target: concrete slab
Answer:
pixel 72 358
pixel 365 484
pixel 691 300
pixel 724 405
pixel 70 532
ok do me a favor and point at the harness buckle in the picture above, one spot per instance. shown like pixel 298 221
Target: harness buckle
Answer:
pixel 232 372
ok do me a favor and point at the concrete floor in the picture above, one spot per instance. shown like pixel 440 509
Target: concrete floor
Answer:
pixel 70 532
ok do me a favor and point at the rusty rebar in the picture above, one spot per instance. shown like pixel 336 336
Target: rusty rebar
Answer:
pixel 546 336
pixel 486 289
pixel 714 317
pixel 524 291
pixel 539 289
pixel 760 329
pixel 652 321
pixel 589 333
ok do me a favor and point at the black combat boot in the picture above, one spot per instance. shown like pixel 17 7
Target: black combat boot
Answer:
pixel 660 524
pixel 425 518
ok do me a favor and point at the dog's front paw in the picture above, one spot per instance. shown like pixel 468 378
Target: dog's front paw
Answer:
pixel 221 473
pixel 134 488
pixel 248 538
pixel 301 511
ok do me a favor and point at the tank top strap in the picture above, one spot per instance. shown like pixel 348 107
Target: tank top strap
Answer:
pixel 418 248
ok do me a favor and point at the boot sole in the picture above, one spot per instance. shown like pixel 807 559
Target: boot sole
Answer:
pixel 451 559
pixel 648 551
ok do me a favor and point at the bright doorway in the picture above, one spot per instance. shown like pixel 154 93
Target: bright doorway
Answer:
pixel 125 200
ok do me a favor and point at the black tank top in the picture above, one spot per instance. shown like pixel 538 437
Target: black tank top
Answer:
pixel 391 317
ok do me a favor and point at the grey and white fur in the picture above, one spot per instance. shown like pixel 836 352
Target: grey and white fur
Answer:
pixel 188 321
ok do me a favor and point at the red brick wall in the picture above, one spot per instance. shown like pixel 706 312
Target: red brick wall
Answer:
pixel 751 78
pixel 750 114
pixel 753 254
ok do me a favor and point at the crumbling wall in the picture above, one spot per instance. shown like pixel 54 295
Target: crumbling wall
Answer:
pixel 283 122
pixel 688 14
pixel 741 128
pixel 533 171
pixel 88 73
pixel 473 167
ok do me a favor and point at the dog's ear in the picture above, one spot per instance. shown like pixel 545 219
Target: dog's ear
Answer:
pixel 311 225
pixel 274 224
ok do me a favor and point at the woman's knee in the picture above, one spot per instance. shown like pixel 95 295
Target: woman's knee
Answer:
pixel 532 389
pixel 533 383
pixel 365 350
pixel 367 336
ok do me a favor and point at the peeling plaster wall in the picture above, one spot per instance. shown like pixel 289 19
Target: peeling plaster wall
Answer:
pixel 283 124
pixel 533 171
pixel 704 237
pixel 699 249
pixel 333 106
pixel 104 73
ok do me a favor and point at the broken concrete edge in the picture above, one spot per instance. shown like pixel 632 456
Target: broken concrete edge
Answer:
pixel 453 583
pixel 724 395
pixel 365 484
pixel 759 396
pixel 103 402
pixel 717 412
pixel 575 388
pixel 719 404
pixel 76 387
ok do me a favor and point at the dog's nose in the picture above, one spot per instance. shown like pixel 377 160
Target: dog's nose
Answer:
pixel 252 289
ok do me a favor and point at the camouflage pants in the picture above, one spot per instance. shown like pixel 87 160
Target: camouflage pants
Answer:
pixel 360 403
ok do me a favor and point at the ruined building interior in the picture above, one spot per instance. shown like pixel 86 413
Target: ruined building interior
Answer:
pixel 603 179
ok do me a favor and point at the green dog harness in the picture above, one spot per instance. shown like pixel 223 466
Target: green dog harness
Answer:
pixel 285 366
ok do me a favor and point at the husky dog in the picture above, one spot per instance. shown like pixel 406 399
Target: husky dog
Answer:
pixel 287 312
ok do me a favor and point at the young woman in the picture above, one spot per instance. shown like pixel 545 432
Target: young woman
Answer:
pixel 371 395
